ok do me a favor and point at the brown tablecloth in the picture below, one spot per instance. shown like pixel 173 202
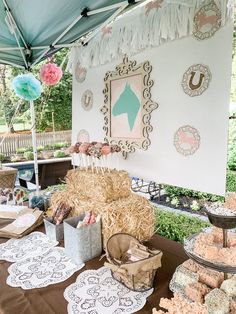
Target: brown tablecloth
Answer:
pixel 50 300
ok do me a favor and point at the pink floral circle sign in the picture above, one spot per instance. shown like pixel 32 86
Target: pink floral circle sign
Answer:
pixel 207 20
pixel 187 140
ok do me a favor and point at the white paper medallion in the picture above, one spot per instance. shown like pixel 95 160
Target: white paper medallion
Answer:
pixel 43 270
pixel 87 100
pixel 83 136
pixel 80 73
pixel 33 244
pixel 187 140
pixel 196 79
pixel 97 292
pixel 207 20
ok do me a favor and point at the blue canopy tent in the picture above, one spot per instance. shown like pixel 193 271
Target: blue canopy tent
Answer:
pixel 32 30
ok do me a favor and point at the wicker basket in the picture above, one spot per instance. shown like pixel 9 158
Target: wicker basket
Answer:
pixel 137 276
pixel 7 177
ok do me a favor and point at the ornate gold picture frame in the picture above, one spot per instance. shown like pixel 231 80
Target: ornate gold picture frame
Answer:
pixel 128 106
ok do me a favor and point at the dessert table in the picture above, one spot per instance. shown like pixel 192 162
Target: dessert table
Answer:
pixel 50 300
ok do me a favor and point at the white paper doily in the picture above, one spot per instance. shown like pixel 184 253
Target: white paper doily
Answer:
pixel 41 271
pixel 34 244
pixel 96 292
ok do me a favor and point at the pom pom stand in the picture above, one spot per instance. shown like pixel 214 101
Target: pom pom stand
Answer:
pixel 27 87
pixel 34 144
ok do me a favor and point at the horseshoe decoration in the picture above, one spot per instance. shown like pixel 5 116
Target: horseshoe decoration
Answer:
pixel 196 80
pixel 87 100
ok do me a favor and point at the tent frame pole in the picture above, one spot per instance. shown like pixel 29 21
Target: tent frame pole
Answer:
pixel 34 144
pixel 57 39
pixel 12 19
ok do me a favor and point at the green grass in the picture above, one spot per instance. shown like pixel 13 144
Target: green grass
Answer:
pixel 177 227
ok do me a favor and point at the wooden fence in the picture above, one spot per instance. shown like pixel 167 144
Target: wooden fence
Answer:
pixel 13 142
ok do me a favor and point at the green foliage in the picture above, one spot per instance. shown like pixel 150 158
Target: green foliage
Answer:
pixel 59 154
pixel 177 227
pixel 174 191
pixel 195 206
pixel 2 157
pixel 231 181
pixel 28 155
pixel 61 145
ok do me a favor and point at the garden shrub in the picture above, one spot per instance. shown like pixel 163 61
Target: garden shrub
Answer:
pixel 177 227
pixel 174 191
pixel 231 181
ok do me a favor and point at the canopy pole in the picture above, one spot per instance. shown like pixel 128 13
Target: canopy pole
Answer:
pixel 34 143
pixel 17 40
pixel 57 39
pixel 12 19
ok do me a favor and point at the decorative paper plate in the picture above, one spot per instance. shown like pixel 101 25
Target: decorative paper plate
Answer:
pixel 207 20
pixel 196 79
pixel 34 244
pixel 96 292
pixel 187 140
pixel 43 270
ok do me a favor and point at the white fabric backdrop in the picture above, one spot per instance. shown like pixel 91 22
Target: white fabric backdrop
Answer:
pixel 206 169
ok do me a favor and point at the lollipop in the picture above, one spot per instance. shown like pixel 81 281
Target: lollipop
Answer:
pixel 83 148
pixel 76 147
pixel 106 149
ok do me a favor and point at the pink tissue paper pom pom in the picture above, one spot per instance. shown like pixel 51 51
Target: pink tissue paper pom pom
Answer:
pixel 50 74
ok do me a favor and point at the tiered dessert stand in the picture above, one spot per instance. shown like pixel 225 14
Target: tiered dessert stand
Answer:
pixel 220 221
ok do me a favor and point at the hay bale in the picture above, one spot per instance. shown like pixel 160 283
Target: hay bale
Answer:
pixel 102 186
pixel 133 215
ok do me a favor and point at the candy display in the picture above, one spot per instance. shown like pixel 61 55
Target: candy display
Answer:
pixel 209 245
pixel 95 155
pixel 61 213
pixel 89 219
pixel 179 305
pixel 108 194
pixel 211 289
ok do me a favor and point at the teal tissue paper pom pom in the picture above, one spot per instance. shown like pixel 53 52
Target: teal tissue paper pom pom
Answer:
pixel 27 87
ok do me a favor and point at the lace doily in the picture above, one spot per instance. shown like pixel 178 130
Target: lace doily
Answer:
pixel 40 271
pixel 34 244
pixel 96 292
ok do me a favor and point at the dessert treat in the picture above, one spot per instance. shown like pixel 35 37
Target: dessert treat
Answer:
pixel 233 306
pixel 210 247
pixel 210 277
pixel 191 265
pixel 230 201
pixel 229 287
pixel 181 278
pixel 217 302
pixel 179 305
pixel 61 213
pixel 196 291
